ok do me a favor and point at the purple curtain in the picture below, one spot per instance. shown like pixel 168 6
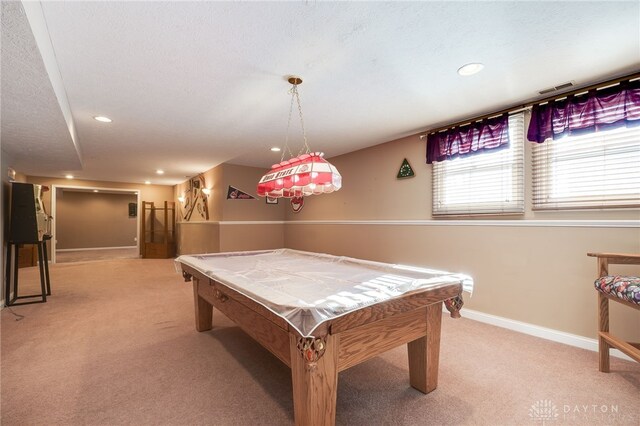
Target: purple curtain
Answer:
pixel 593 111
pixel 468 140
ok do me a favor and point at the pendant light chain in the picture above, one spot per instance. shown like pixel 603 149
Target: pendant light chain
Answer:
pixel 305 147
pixel 286 140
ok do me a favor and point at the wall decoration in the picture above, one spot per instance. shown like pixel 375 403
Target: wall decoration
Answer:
pixel 194 200
pixel 405 170
pixel 133 210
pixel 271 200
pixel 297 203
pixel 236 194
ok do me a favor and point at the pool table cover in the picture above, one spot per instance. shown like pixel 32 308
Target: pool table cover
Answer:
pixel 307 289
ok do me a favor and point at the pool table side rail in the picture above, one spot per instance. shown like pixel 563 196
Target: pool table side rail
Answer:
pixel 405 303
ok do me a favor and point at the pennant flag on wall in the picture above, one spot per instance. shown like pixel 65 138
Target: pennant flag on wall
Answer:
pixel 235 194
pixel 405 170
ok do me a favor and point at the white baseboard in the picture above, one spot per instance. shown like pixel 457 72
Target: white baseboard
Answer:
pixel 98 248
pixel 537 331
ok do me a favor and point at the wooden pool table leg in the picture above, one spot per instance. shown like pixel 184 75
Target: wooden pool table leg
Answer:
pixel 424 353
pixel 315 384
pixel 204 310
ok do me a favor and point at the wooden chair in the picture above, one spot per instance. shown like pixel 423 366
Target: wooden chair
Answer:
pixel 607 285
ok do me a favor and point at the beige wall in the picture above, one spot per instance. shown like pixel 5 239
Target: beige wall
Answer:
pixel 370 188
pixel 230 226
pixel 198 237
pixel 238 237
pixel 536 274
pixel 91 220
pixel 214 237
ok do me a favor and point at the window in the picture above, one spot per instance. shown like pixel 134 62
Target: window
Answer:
pixel 594 170
pixel 487 183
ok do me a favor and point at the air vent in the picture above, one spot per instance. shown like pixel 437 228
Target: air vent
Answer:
pixel 545 91
pixel 558 87
pixel 564 86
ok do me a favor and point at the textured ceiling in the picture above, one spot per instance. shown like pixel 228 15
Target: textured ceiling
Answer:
pixel 191 85
pixel 33 129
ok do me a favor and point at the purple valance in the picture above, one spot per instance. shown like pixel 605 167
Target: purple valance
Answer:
pixel 474 138
pixel 596 110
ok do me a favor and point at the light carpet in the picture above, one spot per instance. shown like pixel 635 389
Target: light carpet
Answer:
pixel 116 344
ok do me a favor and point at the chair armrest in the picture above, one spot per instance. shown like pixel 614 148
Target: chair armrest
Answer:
pixel 604 259
pixel 618 258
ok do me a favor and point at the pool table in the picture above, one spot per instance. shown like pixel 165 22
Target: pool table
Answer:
pixel 317 349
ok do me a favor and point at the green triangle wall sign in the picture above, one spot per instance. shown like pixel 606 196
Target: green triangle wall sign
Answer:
pixel 405 170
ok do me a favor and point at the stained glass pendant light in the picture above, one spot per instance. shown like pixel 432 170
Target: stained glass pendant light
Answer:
pixel 307 174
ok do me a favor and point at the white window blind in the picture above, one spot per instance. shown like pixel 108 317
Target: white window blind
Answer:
pixel 595 170
pixel 487 183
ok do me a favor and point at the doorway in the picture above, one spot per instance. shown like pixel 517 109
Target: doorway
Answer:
pixel 93 223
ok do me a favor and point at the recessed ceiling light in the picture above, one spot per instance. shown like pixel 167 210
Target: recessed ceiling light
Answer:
pixel 95 190
pixel 147 182
pixel 160 172
pixel 275 149
pixel 102 119
pixel 69 176
pixel 470 69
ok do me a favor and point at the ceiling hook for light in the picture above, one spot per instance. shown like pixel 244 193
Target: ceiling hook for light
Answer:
pixel 295 80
